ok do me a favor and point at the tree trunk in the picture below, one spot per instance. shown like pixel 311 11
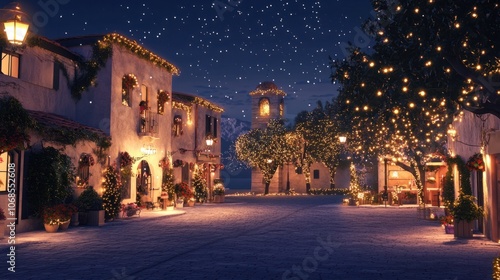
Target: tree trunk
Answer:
pixel 333 171
pixel 308 187
pixel 266 190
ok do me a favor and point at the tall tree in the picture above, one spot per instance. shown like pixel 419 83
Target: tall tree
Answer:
pixel 320 133
pixel 399 98
pixel 267 149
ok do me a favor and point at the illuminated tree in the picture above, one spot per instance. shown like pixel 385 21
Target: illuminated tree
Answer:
pixel 112 192
pixel 430 59
pixel 444 48
pixel 267 149
pixel 320 133
pixel 200 185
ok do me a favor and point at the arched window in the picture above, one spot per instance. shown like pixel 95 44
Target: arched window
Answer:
pixel 129 82
pixel 162 98
pixel 83 172
pixel 264 107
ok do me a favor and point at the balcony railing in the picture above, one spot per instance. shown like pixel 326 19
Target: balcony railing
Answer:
pixel 148 124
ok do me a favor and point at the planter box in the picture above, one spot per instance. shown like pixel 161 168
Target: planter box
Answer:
pixel 463 229
pixel 95 218
pixel 218 198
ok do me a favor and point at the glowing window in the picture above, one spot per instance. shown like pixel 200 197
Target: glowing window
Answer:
pixel 264 107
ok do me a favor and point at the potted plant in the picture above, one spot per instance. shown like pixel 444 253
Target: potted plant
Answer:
pixel 66 212
pixel 183 192
pixel 447 223
pixel 219 191
pixel 90 207
pixel 52 216
pixel 465 211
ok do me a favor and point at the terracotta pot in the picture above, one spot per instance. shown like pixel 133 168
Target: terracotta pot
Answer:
pixel 64 226
pixel 51 228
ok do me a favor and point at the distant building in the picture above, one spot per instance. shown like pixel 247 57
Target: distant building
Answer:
pixel 268 102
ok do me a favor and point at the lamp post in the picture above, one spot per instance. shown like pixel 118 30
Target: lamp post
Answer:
pixel 15 29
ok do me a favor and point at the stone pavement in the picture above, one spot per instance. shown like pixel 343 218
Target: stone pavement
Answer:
pixel 273 237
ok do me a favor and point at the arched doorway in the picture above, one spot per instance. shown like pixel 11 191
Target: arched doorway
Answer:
pixel 143 182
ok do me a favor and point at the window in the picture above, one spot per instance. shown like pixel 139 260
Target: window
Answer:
pixel 316 174
pixel 211 126
pixel 144 94
pixel 10 64
pixel 129 82
pixel 83 172
pixel 264 107
pixel 162 98
pixel 177 127
pixel 5 162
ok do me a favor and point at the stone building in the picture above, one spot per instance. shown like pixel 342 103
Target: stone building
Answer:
pixel 268 102
pixel 129 101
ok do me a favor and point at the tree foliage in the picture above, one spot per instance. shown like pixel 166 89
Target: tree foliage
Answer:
pixel 50 174
pixel 14 124
pixel 320 133
pixel 267 149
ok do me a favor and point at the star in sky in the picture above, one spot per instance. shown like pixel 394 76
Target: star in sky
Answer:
pixel 224 48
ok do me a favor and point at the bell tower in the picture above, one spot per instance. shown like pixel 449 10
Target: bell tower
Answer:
pixel 268 102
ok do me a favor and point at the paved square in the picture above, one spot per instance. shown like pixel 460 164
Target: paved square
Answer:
pixel 274 237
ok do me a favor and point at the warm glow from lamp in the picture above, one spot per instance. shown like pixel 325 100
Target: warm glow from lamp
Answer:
pixel 209 140
pixel 15 29
pixel 342 139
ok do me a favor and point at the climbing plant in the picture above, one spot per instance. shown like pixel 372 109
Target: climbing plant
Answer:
pixel 14 124
pixel 50 174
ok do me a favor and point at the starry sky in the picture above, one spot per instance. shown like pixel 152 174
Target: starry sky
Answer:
pixel 224 48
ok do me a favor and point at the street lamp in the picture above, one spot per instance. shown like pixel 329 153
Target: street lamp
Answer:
pixel 15 28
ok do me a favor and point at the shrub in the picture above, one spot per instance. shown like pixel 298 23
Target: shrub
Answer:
pixel 89 200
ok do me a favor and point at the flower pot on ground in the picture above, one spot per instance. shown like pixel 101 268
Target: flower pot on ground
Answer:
pixel 74 219
pixel 95 217
pixel 190 203
pixel 51 228
pixel 64 225
pixel 465 211
pixel 90 203
pixel 449 229
pixel 219 192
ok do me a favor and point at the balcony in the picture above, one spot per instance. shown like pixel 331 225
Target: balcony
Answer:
pixel 148 124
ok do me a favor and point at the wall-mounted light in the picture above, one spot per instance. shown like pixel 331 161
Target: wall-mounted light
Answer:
pixel 15 28
pixel 342 139
pixel 209 140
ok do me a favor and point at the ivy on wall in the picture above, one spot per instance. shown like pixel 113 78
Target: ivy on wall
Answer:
pixel 14 124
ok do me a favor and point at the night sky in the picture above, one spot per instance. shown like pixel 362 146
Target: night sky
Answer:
pixel 223 54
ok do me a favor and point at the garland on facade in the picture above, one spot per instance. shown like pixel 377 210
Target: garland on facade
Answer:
pixel 207 104
pixel 129 81
pixel 182 106
pixel 87 74
pixel 87 160
pixel 139 51
pixel 475 162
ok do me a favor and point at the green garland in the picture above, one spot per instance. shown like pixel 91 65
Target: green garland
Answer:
pixel 87 74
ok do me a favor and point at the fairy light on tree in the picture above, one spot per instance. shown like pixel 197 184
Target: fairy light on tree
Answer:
pixel 112 192
pixel 266 149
